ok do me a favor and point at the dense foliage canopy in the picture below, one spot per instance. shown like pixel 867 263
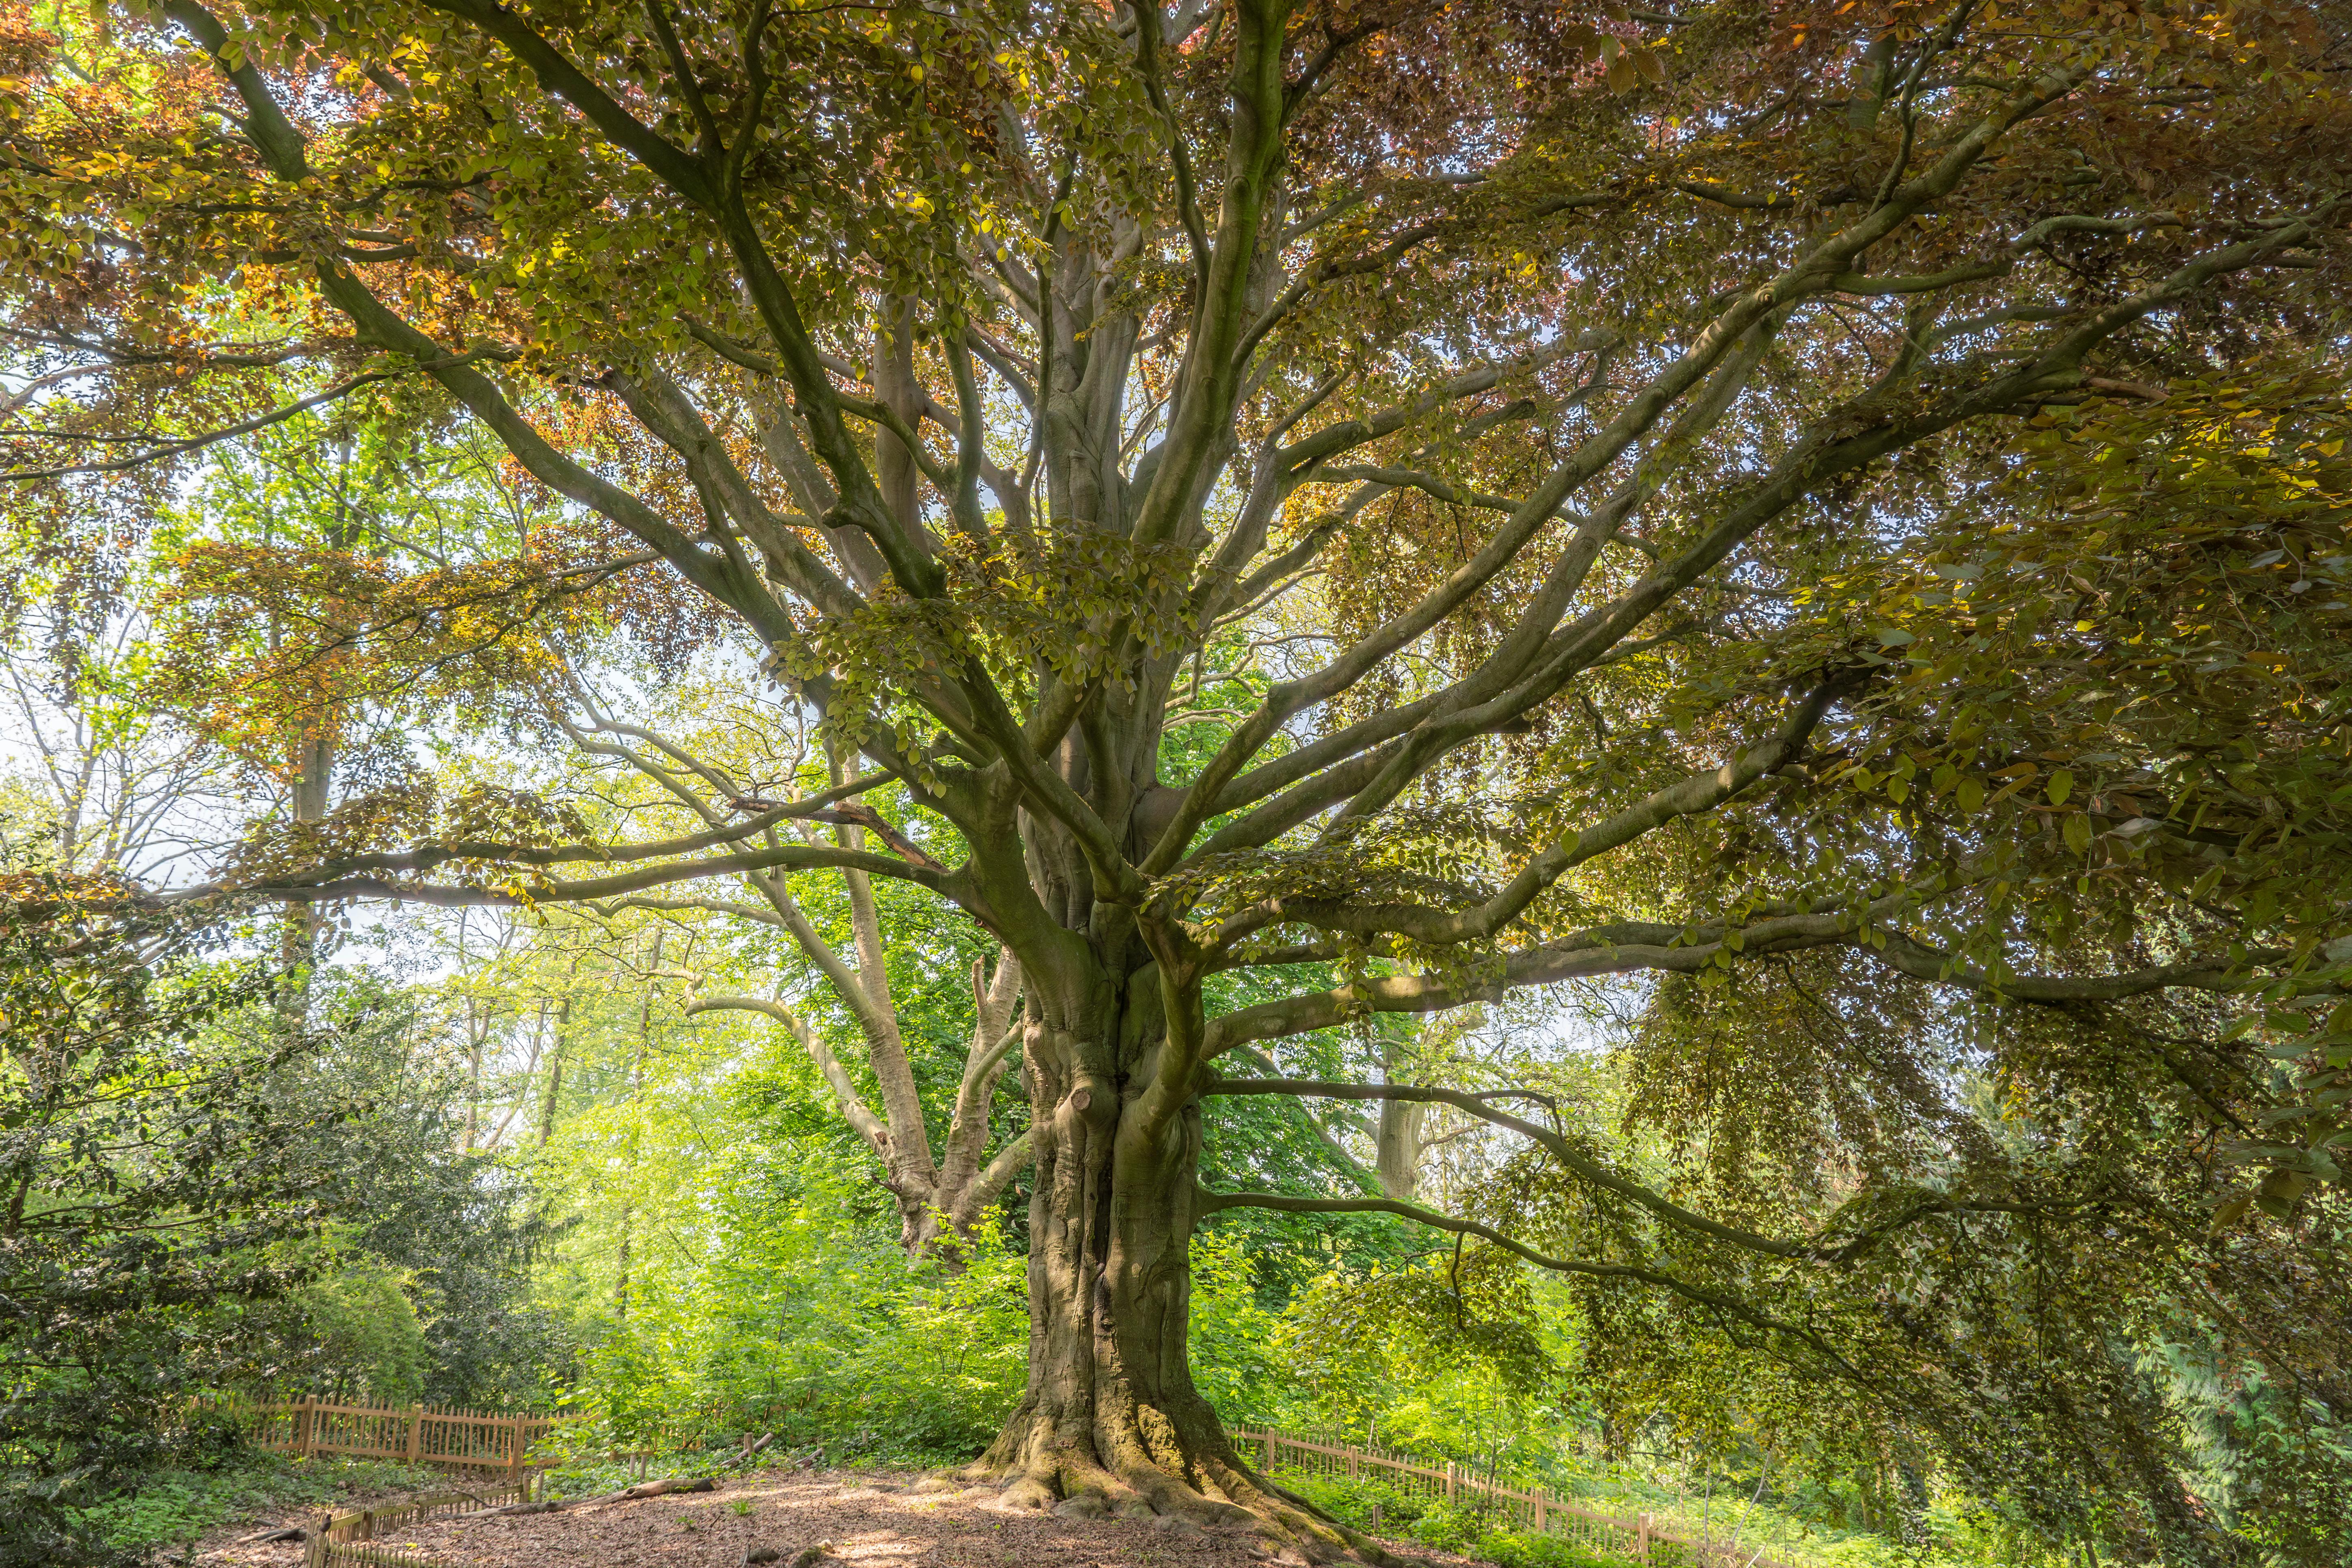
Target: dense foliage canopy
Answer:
pixel 1096 566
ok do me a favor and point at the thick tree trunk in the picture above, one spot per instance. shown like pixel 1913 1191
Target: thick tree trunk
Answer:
pixel 1111 1422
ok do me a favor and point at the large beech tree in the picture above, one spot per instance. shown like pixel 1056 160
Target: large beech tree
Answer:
pixel 1544 451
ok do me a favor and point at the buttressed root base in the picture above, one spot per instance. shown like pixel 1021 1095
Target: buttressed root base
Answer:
pixel 1152 1473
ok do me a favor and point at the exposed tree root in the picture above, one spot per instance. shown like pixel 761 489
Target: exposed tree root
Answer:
pixel 1144 1469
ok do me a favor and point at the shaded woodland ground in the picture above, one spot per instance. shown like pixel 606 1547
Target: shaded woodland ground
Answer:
pixel 873 1518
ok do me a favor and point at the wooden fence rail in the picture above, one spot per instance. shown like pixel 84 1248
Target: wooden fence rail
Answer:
pixel 411 1434
pixel 1536 1511
pixel 378 1557
pixel 346 1540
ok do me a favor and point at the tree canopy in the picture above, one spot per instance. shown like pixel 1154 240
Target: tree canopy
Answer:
pixel 1820 526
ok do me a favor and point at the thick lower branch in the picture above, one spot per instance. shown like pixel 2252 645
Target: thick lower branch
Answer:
pixel 1211 1202
pixel 1924 962
pixel 1690 796
pixel 1626 950
pixel 327 882
pixel 1551 1142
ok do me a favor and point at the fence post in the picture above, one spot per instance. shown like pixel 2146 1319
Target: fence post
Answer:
pixel 1449 1481
pixel 1541 1527
pixel 1642 1540
pixel 416 1432
pixel 302 1426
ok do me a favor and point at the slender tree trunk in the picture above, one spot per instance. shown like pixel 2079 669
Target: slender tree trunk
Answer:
pixel 554 1072
pixel 475 1029
pixel 312 764
pixel 1399 1147
pixel 636 1089
pixel 313 770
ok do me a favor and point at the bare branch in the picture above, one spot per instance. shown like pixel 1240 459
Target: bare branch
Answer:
pixel 336 880
pixel 853 1106
pixel 992 1176
pixel 1634 947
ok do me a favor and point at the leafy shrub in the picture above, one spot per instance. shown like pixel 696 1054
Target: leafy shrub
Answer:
pixel 183 1125
pixel 1364 1502
pixel 1451 1529
pixel 1522 1549
pixel 1236 1361
pixel 367 1332
pixel 1447 1527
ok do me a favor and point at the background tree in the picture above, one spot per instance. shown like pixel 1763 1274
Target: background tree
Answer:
pixel 1533 424
pixel 195 1199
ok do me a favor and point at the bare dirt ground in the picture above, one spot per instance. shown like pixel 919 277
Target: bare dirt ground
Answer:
pixel 872 1520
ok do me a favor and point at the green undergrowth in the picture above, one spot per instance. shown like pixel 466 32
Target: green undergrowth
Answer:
pixel 169 1507
pixel 1954 1536
pixel 594 1462
pixel 1367 1502
pixel 1370 1504
pixel 595 1475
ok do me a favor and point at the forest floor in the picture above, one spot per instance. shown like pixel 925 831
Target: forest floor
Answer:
pixel 869 1519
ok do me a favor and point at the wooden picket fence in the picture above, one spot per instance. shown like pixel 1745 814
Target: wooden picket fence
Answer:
pixel 1639 1538
pixel 378 1557
pixel 411 1434
pixel 347 1540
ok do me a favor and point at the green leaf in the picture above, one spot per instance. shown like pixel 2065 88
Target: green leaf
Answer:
pixel 2230 1213
pixel 2077 832
pixel 2062 784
